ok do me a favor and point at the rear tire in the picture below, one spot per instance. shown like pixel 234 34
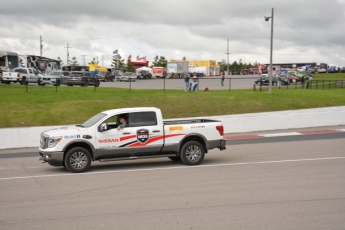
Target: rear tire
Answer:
pixel 23 81
pixel 77 160
pixel 192 153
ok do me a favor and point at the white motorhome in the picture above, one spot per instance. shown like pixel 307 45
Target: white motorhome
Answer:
pixel 41 64
pixel 8 61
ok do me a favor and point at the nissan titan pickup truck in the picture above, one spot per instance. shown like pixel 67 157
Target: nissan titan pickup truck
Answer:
pixel 144 134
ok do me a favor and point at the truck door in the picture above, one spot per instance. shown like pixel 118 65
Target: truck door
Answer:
pixel 148 132
pixel 113 142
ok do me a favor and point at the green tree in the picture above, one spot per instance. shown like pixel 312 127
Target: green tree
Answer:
pixel 61 62
pixel 119 63
pixel 93 61
pixel 74 62
pixel 159 62
pixel 130 66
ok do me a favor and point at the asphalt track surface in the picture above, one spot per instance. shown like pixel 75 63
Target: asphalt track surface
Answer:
pixel 294 182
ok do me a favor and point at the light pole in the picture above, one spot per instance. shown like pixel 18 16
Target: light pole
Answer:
pixel 271 50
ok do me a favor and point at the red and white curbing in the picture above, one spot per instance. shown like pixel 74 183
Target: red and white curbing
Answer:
pixel 283 134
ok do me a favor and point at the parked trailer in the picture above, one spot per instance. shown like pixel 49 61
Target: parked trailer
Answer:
pixel 177 68
pixel 159 71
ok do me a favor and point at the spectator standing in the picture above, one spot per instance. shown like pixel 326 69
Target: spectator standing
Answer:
pixel 195 83
pixel 186 81
pixel 279 81
pixel 302 82
pixel 222 79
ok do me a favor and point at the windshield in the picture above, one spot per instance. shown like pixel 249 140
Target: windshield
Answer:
pixel 93 120
pixel 55 73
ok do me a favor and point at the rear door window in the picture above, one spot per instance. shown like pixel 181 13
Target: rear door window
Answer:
pixel 142 119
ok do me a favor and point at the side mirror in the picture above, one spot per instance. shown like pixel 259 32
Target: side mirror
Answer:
pixel 103 127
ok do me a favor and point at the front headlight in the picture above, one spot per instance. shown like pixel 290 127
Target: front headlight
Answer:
pixel 53 141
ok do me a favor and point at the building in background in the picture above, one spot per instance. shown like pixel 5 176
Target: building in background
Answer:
pixel 202 67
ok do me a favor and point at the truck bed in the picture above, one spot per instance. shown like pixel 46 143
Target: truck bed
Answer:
pixel 188 121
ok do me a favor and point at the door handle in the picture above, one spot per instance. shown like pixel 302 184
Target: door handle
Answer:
pixel 126 133
pixel 156 131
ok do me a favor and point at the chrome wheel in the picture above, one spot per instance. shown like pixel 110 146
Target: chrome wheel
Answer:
pixel 193 153
pixel 78 160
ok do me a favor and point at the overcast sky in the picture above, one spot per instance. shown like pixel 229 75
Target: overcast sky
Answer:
pixel 304 31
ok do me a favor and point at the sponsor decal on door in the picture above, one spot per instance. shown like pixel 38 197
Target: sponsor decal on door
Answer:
pixel 143 135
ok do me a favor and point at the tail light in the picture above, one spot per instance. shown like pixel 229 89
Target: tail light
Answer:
pixel 80 78
pixel 220 129
pixel 18 74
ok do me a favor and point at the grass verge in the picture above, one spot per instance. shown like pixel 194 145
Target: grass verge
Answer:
pixel 42 106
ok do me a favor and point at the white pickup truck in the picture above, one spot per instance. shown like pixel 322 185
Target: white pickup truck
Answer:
pixel 144 135
pixel 22 75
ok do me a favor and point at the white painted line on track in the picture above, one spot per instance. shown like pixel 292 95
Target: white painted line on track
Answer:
pixel 341 130
pixel 280 134
pixel 171 168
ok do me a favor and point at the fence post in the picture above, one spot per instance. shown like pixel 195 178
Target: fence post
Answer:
pixel 229 84
pixel 317 84
pixel 130 84
pixel 27 85
pixel 164 84
pixel 311 83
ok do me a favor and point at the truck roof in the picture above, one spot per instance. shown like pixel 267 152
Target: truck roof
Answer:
pixel 129 110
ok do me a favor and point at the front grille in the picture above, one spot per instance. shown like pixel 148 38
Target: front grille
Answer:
pixel 43 141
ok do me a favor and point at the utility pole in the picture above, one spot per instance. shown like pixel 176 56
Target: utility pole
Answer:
pixel 227 53
pixel 271 52
pixel 41 45
pixel 84 58
pixel 67 53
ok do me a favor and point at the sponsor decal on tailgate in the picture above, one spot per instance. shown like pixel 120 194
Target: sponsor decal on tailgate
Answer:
pixel 175 128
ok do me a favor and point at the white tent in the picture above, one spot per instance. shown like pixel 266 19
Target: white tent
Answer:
pixel 144 68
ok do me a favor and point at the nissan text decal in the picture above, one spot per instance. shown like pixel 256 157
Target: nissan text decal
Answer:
pixel 143 135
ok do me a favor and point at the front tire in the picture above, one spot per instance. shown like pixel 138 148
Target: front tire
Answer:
pixel 192 153
pixel 58 83
pixel 77 160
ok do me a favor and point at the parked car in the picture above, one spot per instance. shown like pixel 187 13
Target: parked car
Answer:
pixel 297 74
pixel 128 76
pixel 284 79
pixel 108 76
pixel 293 78
pixel 264 80
pixel 82 79
pixel 332 69
pixel 144 74
pixel 55 78
pixel 311 70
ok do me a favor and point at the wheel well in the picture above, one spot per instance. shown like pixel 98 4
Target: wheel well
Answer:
pixel 194 138
pixel 79 144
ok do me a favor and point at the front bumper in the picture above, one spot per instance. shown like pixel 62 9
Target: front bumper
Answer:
pixel 52 158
